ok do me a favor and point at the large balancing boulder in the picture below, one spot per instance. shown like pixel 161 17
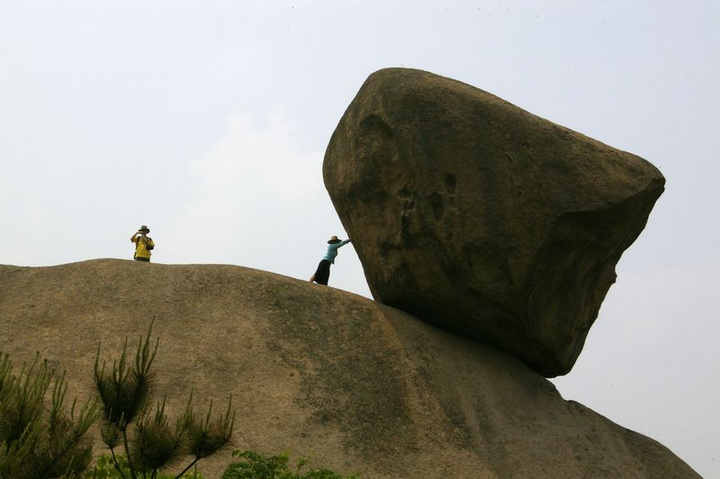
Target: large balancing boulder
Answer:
pixel 481 218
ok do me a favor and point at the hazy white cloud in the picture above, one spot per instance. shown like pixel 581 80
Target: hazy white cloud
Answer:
pixel 258 200
pixel 250 170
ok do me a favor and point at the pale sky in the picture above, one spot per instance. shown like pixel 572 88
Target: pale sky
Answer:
pixel 208 121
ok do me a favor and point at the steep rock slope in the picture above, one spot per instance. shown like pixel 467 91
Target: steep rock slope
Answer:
pixel 358 386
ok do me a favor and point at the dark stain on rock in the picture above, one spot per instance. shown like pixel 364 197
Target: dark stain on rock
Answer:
pixel 450 183
pixel 436 203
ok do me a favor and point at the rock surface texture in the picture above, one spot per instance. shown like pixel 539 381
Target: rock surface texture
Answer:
pixel 358 386
pixel 481 218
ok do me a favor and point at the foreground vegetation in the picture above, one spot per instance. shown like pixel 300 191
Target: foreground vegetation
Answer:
pixel 154 443
pixel 253 465
pixel 41 439
pixel 37 440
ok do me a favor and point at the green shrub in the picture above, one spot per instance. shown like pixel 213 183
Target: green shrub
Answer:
pixel 152 443
pixel 253 465
pixel 37 440
pixel 105 469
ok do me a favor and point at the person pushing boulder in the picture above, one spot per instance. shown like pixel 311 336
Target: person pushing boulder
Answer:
pixel 322 274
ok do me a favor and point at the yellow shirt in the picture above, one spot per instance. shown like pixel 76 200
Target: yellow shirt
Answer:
pixel 142 245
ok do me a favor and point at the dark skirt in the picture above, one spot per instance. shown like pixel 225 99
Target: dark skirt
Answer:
pixel 322 274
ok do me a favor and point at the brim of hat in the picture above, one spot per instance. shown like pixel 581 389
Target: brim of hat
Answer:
pixel 334 241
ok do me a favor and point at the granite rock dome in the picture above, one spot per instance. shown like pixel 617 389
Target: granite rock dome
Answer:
pixel 357 386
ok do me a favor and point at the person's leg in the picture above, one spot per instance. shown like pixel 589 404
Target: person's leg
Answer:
pixel 323 272
pixel 324 280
